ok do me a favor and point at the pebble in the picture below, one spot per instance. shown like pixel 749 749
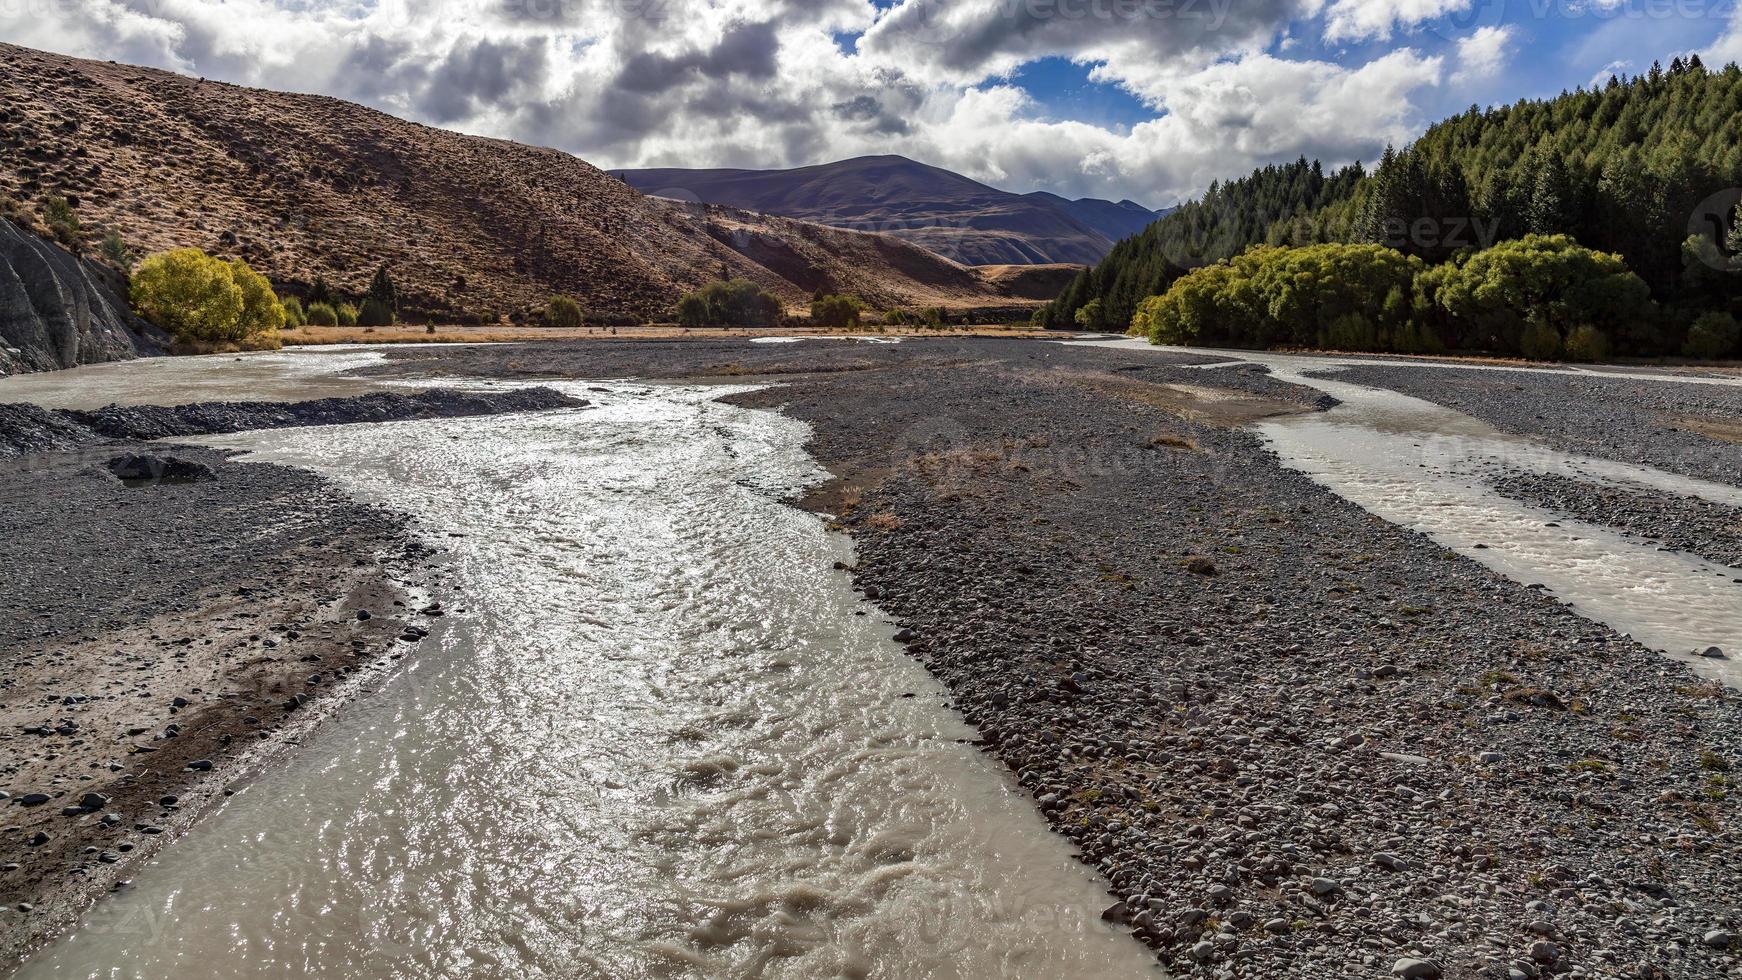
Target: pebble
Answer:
pixel 1414 969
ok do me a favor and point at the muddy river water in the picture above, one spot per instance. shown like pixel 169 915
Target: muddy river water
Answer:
pixel 664 738
pixel 660 736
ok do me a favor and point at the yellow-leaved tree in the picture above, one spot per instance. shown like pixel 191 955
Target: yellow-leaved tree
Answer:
pixel 200 299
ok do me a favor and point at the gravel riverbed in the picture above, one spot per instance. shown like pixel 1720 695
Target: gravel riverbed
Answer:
pixel 1688 428
pixel 1298 740
pixel 166 637
pixel 1699 527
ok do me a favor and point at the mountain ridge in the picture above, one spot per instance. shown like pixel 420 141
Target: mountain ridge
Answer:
pixel 306 187
pixel 955 216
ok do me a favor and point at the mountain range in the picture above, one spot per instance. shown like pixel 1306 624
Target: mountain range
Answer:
pixel 308 187
pixel 958 218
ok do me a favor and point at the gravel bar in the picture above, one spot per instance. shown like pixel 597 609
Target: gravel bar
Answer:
pixel 1683 427
pixel 1297 740
pixel 1691 525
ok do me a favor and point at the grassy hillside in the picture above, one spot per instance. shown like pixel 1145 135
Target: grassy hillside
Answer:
pixel 304 187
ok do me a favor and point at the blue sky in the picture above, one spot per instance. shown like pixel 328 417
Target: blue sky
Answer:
pixel 1146 99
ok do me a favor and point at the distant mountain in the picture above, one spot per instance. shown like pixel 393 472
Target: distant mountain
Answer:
pixel 958 218
pixel 305 187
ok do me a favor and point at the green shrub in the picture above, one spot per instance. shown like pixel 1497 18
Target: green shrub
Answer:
pixel 115 251
pixel 1089 315
pixel 376 313
pixel 562 311
pixel 1587 344
pixel 294 315
pixel 196 297
pixel 738 303
pixel 837 312
pixel 1540 341
pixel 1714 335
pixel 1521 296
pixel 63 223
pixel 347 315
pixel 322 315
pixel 1352 297
pixel 1549 280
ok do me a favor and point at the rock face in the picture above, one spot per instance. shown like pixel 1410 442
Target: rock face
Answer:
pixel 59 311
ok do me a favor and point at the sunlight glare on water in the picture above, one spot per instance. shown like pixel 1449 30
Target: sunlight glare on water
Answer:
pixel 658 742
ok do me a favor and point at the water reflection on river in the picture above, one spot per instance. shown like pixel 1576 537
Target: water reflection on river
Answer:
pixel 663 740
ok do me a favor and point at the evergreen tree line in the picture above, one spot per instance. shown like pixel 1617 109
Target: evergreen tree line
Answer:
pixel 1646 168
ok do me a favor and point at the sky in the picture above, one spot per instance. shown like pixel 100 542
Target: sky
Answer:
pixel 1149 100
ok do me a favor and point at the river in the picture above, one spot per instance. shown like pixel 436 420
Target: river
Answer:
pixel 658 736
pixel 1425 467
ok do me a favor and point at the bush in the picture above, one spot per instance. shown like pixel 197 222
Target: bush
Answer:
pixel 319 293
pixel 1549 281
pixel 836 311
pixel 562 311
pixel 1714 335
pixel 294 316
pixel 115 251
pixel 1351 297
pixel 196 297
pixel 376 313
pixel 347 315
pixel 1522 296
pixel 1540 341
pixel 322 315
pixel 1089 316
pixel 1587 344
pixel 739 303
pixel 13 211
pixel 63 223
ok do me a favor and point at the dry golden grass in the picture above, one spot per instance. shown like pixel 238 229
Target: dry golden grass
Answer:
pixel 512 333
pixel 883 521
pixel 1722 429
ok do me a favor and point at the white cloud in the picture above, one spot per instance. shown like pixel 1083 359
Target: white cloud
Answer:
pixel 1360 20
pixel 762 83
pixel 1729 47
pixel 1601 78
pixel 1482 54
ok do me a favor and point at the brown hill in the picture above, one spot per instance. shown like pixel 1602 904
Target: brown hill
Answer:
pixel 961 219
pixel 304 186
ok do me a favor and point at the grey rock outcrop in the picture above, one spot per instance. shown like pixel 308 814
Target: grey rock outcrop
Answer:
pixel 60 311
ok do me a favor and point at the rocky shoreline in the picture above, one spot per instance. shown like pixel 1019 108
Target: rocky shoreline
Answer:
pixel 1297 740
pixel 1684 427
pixel 1690 525
pixel 179 620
